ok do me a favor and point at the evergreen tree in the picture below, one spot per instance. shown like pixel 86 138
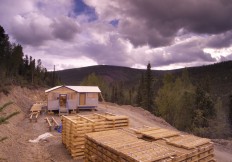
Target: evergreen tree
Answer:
pixel 230 110
pixel 148 89
pixel 139 97
pixel 112 94
pixel 4 51
pixel 204 108
pixel 17 59
pixel 130 97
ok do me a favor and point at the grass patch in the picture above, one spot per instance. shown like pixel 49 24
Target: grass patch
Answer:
pixel 5 105
pixel 3 138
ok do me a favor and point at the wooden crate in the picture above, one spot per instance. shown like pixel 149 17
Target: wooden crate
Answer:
pixel 122 145
pixel 75 128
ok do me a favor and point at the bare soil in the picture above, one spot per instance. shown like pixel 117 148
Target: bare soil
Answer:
pixel 19 130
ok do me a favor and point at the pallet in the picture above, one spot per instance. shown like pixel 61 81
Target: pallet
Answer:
pixel 75 128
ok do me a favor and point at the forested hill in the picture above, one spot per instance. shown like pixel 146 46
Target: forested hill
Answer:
pixel 108 72
pixel 219 74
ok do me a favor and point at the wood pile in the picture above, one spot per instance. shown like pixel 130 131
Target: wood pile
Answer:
pixel 75 128
pixel 125 146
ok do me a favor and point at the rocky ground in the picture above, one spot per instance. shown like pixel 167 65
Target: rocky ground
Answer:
pixel 19 130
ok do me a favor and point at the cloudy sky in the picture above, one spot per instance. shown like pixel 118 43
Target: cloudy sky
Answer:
pixel 75 33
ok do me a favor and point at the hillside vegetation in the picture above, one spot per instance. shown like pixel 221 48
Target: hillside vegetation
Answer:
pixel 19 69
pixel 196 99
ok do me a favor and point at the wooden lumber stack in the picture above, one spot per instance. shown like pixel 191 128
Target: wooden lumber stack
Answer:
pixel 75 128
pixel 120 145
pixel 188 147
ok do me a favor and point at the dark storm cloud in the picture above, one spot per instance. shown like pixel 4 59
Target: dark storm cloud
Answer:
pixel 35 29
pixel 221 40
pixel 64 28
pixel 156 22
pixel 186 52
pixel 31 29
pixel 110 54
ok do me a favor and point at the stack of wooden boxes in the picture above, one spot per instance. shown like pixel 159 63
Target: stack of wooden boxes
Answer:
pixel 75 128
pixel 147 145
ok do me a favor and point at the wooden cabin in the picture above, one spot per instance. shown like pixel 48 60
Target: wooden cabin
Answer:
pixel 67 98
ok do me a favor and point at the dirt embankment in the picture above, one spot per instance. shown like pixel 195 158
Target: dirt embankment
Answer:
pixel 19 130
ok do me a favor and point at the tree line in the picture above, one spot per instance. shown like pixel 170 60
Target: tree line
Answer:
pixel 19 69
pixel 187 106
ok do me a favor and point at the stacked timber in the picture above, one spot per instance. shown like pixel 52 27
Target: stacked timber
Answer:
pixel 75 128
pixel 121 145
pixel 188 147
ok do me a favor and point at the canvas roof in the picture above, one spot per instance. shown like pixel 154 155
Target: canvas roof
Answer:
pixel 78 88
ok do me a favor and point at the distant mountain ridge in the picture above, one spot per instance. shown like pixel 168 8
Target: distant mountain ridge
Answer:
pixel 219 72
pixel 108 72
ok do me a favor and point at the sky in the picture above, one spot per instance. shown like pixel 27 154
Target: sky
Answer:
pixel 169 34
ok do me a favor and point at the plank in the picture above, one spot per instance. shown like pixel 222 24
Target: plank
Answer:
pixel 189 141
pixel 49 123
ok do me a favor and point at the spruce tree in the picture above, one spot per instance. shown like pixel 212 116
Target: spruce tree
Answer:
pixel 148 89
pixel 139 97
pixel 230 110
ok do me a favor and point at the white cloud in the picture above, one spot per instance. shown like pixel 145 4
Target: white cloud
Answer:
pixel 219 53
